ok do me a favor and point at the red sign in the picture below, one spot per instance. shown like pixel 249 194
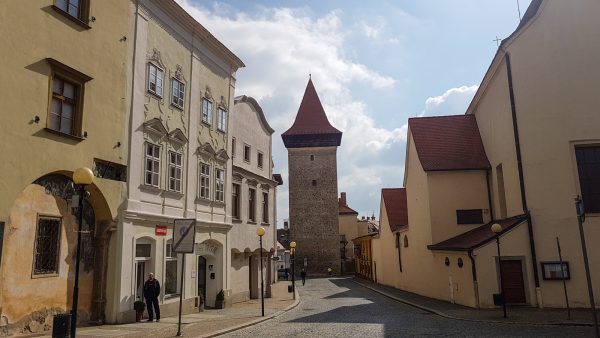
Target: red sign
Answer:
pixel 160 230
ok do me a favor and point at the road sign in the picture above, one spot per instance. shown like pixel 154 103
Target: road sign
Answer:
pixel 184 234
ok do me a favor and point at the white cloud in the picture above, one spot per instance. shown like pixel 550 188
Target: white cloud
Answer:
pixel 453 101
pixel 280 47
pixel 372 32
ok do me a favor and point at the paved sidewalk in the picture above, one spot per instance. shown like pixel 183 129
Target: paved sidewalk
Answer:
pixel 209 323
pixel 515 314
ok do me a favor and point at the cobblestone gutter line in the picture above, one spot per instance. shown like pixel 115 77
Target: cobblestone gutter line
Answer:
pixel 254 322
pixel 445 315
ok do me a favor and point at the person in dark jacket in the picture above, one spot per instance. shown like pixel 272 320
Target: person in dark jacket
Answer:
pixel 303 275
pixel 151 293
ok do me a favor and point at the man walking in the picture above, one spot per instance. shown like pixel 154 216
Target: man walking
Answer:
pixel 303 275
pixel 151 293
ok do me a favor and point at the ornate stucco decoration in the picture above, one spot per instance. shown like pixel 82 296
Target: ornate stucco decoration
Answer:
pixel 252 182
pixel 265 186
pixel 207 93
pixel 223 103
pixel 222 156
pixel 206 151
pixel 156 127
pixel 179 73
pixel 155 57
pixel 178 137
pixel 237 177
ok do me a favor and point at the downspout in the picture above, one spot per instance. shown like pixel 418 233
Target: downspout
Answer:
pixel 522 180
pixel 489 193
pixel 474 275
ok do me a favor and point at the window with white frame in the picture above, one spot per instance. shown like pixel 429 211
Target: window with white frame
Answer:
pixel 252 205
pixel 265 207
pixel 219 184
pixel 206 111
pixel 222 119
pixel 177 93
pixel 204 180
pixel 172 271
pixel 155 80
pixel 175 169
pixel 259 159
pixel 152 165
pixel 47 246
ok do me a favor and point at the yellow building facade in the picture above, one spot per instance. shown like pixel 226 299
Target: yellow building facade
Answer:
pixel 65 106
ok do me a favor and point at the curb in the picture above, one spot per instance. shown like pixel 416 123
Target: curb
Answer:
pixel 256 321
pixel 444 315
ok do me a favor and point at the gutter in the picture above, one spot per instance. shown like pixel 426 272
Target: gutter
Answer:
pixel 489 193
pixel 474 274
pixel 521 176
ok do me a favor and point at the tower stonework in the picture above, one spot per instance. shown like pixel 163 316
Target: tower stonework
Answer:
pixel 313 206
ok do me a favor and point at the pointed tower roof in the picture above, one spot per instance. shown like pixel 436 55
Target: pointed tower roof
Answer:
pixel 311 127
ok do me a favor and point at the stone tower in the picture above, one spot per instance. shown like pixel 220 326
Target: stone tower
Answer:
pixel 312 146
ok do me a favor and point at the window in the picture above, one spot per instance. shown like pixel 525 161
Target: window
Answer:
pixel 247 153
pixel 470 216
pixel 143 250
pixel 235 201
pixel 252 205
pixel 155 80
pixel 109 170
pixel 312 157
pixel 233 147
pixel 406 241
pixel 175 171
pixel 314 183
pixel 219 184
pixel 265 207
pixel 177 93
pixel 221 120
pixel 588 166
pixel 77 9
pixel 206 111
pixel 172 271
pixel 260 159
pixel 204 180
pixel 152 169
pixel 47 245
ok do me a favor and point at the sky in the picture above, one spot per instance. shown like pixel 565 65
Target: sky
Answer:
pixel 374 65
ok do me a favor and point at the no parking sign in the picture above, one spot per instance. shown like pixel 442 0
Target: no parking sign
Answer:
pixel 184 235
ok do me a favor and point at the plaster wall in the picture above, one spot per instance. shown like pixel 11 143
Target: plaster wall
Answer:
pixel 349 226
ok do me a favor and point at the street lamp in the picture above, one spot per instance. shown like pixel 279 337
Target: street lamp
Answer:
pixel 81 177
pixel 293 254
pixel 497 228
pixel 260 231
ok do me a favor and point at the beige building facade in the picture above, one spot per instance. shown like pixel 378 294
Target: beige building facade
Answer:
pixel 521 154
pixel 65 104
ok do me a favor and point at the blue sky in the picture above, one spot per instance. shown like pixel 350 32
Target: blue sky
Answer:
pixel 374 65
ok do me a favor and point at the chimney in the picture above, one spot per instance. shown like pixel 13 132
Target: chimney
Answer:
pixel 363 218
pixel 286 226
pixel 343 200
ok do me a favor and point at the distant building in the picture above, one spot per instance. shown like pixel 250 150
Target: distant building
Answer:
pixel 312 147
pixel 351 227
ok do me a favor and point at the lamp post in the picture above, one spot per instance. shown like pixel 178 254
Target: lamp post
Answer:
pixel 497 228
pixel 261 232
pixel 81 177
pixel 293 258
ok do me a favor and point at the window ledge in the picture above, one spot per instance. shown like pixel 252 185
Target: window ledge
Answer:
pixel 56 132
pixel 45 275
pixel 236 220
pixel 251 222
pixel 202 200
pixel 218 203
pixel 150 188
pixel 155 95
pixel 206 123
pixel 221 131
pixel 173 193
pixel 177 107
pixel 265 224
pixel 71 18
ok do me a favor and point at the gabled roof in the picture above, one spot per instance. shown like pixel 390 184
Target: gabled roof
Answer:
pixel 448 143
pixel 395 207
pixel 311 127
pixel 346 210
pixel 252 102
pixel 477 237
pixel 178 136
pixel 155 126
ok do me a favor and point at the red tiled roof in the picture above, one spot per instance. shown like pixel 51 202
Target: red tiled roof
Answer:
pixel 477 237
pixel 448 143
pixel 311 127
pixel 395 206
pixel 346 210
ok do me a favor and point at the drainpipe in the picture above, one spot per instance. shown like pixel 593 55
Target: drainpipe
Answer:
pixel 489 193
pixel 513 109
pixel 474 275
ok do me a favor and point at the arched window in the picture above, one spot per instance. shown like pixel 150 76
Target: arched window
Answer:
pixel 405 241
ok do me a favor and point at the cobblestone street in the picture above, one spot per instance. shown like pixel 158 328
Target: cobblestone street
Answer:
pixel 340 308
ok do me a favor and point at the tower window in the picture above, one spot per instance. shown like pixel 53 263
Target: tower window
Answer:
pixel 312 157
pixel 314 183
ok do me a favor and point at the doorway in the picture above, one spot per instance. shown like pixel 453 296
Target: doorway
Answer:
pixel 512 280
pixel 202 277
pixel 140 274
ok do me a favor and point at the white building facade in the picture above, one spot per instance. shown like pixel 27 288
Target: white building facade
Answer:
pixel 182 89
pixel 253 199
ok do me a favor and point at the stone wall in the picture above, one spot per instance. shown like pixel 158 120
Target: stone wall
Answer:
pixel 314 209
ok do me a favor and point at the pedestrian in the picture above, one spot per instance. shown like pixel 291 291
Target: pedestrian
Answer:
pixel 151 293
pixel 303 275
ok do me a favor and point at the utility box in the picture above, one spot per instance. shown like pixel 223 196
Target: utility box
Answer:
pixel 61 325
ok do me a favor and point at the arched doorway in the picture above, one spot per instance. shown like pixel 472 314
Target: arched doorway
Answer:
pixel 210 270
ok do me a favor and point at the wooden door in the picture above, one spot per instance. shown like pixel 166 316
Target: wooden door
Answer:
pixel 202 277
pixel 513 283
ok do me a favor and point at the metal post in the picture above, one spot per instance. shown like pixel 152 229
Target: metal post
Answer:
pixel 77 259
pixel 501 282
pixel 179 334
pixel 580 219
pixel 293 275
pixel 262 286
pixel 562 271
